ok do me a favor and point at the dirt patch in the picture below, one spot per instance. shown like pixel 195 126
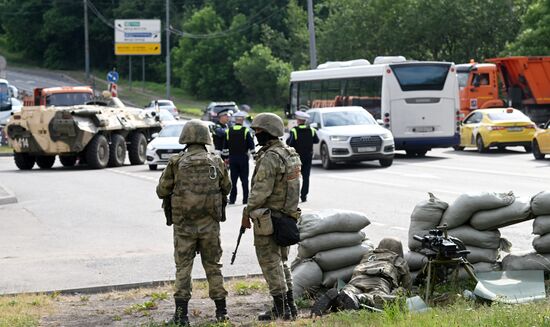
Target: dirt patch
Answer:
pixel 152 306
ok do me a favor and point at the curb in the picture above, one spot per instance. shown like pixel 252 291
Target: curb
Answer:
pixel 6 154
pixel 125 287
pixel 10 198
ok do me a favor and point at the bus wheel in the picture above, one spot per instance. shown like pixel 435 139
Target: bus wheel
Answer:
pixel 325 158
pixel 410 153
pixel 480 146
pixel 421 153
pixel 536 151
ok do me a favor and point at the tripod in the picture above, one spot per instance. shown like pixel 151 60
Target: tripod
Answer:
pixel 437 271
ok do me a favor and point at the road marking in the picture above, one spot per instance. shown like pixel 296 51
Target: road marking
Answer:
pixel 413 175
pixel 360 180
pixel 482 171
pixel 121 172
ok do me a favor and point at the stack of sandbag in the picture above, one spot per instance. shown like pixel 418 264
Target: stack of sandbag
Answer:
pixel 540 206
pixel 331 245
pixel 474 219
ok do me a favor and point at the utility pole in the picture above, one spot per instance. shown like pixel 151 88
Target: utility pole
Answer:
pixel 311 28
pixel 86 44
pixel 167 23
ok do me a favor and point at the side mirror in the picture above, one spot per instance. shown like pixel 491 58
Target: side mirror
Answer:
pixel 314 125
pixel 155 135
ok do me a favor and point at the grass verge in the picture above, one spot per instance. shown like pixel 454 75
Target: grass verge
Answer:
pixel 24 310
pixel 5 149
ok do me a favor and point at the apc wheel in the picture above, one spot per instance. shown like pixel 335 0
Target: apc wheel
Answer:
pixel 24 161
pixel 67 161
pixel 97 152
pixel 117 151
pixel 536 151
pixel 45 162
pixel 385 162
pixel 325 158
pixel 152 167
pixel 137 148
pixel 480 146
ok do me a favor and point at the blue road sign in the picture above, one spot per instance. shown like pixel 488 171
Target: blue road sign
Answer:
pixel 112 76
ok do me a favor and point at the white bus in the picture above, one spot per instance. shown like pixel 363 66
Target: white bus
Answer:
pixel 417 100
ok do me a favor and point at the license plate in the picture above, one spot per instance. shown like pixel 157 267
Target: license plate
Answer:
pixel 515 129
pixel 167 155
pixel 366 149
pixel 423 129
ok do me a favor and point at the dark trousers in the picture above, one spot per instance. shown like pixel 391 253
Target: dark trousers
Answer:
pixel 306 168
pixel 238 166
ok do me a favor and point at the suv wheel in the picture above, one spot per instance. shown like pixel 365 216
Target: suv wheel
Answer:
pixel 386 162
pixel 325 158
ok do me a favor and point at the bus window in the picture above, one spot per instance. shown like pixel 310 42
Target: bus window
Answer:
pixel 423 77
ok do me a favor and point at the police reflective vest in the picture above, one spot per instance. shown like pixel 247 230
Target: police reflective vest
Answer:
pixel 302 138
pixel 236 138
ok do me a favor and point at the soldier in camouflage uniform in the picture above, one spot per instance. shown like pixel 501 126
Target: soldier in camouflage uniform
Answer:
pixel 196 181
pixel 375 280
pixel 276 186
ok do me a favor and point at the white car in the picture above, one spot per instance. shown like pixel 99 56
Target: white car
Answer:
pixel 165 104
pixel 166 144
pixel 350 134
pixel 165 117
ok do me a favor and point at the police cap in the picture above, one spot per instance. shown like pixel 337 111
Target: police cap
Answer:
pixel 240 114
pixel 301 115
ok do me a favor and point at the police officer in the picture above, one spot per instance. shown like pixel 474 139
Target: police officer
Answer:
pixel 374 282
pixel 248 118
pixel 275 186
pixel 302 137
pixel 237 143
pixel 219 130
pixel 196 181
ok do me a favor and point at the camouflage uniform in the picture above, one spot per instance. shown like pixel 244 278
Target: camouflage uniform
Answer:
pixel 196 181
pixel 374 281
pixel 270 190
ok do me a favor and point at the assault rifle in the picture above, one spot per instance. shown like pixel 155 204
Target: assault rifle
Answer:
pixel 241 232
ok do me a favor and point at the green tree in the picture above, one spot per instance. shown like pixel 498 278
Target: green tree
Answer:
pixel 535 31
pixel 264 77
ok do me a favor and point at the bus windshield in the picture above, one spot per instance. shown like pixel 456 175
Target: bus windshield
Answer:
pixel 421 77
pixel 68 99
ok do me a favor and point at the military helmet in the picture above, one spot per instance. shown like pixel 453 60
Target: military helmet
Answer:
pixel 269 122
pixel 393 244
pixel 195 132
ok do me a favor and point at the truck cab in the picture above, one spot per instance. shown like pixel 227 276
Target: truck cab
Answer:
pixel 478 85
pixel 59 96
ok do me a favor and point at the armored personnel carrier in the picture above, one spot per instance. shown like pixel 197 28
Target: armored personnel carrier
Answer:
pixel 99 133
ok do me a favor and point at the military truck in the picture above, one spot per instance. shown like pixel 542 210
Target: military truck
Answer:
pixel 99 133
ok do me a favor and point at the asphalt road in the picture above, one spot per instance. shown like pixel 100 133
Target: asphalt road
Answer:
pixel 74 228
pixel 26 79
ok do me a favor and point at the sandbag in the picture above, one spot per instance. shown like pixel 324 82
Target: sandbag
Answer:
pixel 542 243
pixel 481 255
pixel 540 203
pixel 306 278
pixel 415 260
pixel 541 225
pixel 526 261
pixel 518 211
pixel 479 267
pixel 310 246
pixel 330 278
pixel 462 209
pixel 331 220
pixel 341 257
pixel 471 236
pixel 425 216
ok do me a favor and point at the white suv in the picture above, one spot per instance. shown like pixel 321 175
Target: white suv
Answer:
pixel 350 134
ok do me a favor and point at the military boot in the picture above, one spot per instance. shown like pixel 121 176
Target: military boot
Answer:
pixel 292 304
pixel 280 310
pixel 221 310
pixel 324 302
pixel 347 301
pixel 180 316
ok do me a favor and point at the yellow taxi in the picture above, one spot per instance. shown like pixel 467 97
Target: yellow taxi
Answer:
pixel 496 127
pixel 541 141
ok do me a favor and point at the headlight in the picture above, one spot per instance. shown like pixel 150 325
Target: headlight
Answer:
pixel 338 138
pixel 386 136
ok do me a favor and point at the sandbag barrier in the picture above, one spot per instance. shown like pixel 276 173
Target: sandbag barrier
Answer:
pixel 476 218
pixel 332 244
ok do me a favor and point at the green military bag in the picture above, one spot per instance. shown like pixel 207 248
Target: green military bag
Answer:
pixel 263 224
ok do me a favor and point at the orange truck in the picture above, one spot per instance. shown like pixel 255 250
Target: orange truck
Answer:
pixel 519 82
pixel 59 96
